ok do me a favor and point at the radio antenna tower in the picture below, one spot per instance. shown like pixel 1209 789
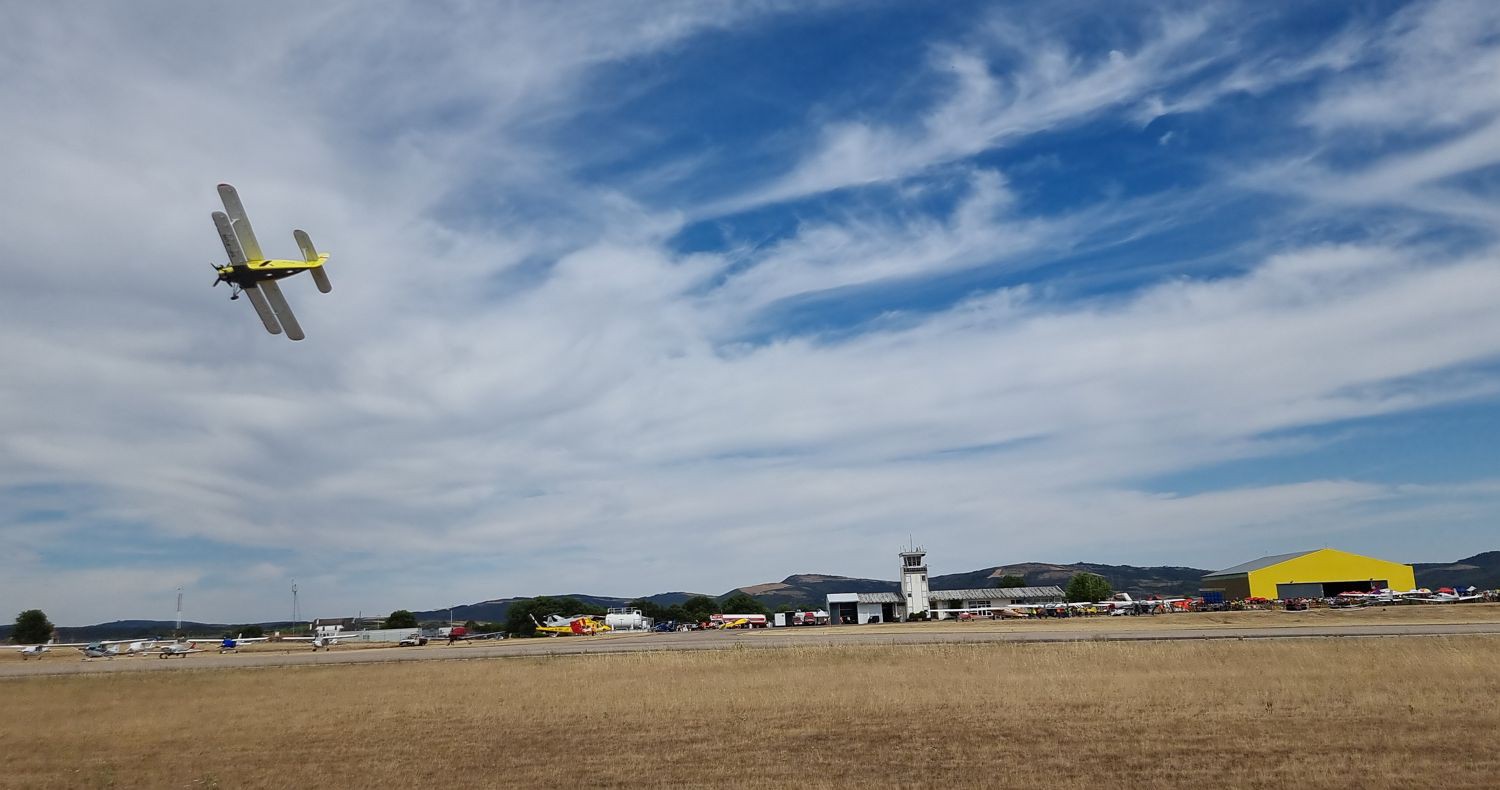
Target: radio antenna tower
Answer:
pixel 296 613
pixel 179 612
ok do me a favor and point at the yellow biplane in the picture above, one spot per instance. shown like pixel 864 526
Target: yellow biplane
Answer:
pixel 250 272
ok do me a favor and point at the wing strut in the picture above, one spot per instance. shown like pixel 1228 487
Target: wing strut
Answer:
pixel 282 309
pixel 263 309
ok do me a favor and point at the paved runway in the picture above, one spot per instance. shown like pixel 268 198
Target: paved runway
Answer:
pixel 63 662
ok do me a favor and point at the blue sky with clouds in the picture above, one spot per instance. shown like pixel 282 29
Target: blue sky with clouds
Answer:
pixel 640 297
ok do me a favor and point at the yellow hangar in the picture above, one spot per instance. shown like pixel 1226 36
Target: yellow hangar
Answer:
pixel 1321 573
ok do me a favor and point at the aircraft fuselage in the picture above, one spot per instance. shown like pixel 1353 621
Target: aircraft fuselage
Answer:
pixel 251 272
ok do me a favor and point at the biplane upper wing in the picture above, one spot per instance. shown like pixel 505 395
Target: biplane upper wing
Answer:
pixel 240 223
pixel 226 235
pixel 282 310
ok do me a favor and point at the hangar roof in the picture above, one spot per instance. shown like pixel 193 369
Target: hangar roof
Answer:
pixel 880 597
pixel 1255 565
pixel 997 594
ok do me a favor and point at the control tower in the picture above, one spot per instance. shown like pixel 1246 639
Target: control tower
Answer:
pixel 914 580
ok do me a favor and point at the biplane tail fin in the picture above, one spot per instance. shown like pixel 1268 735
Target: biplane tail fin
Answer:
pixel 310 254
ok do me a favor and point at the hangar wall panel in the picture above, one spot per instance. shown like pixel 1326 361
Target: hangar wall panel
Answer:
pixel 1330 565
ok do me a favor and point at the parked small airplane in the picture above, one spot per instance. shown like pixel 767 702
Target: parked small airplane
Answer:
pixel 36 651
pixel 180 649
pixel 99 650
pixel 251 273
pixel 738 620
pixel 319 642
pixel 232 644
pixel 578 624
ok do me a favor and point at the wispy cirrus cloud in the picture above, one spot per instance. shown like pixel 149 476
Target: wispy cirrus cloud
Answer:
pixel 520 366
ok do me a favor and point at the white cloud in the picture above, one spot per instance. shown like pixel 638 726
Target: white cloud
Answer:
pixel 490 405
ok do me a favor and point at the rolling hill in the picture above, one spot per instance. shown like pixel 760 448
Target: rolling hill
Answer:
pixel 1481 570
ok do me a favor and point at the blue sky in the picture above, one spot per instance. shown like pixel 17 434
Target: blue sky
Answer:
pixel 643 297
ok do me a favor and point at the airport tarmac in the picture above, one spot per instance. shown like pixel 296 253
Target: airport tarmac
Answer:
pixel 62 662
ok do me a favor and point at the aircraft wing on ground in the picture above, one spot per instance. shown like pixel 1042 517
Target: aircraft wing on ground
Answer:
pixel 471 637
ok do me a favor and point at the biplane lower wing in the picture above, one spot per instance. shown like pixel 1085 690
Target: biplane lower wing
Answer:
pixel 262 308
pixel 282 310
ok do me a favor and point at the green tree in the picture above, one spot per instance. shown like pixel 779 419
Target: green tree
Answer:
pixel 401 618
pixel 651 609
pixel 1088 587
pixel 698 608
pixel 32 627
pixel 1011 580
pixel 740 603
pixel 246 631
pixel 471 625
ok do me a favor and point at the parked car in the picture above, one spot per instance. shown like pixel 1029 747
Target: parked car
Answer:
pixel 415 640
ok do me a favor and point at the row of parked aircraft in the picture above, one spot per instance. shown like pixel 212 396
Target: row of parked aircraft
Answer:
pixel 163 648
pixel 1418 595
pixel 1118 604
pixel 115 648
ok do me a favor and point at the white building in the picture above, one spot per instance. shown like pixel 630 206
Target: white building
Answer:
pixel 915 597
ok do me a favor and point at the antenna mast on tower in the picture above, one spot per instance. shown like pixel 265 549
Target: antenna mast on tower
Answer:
pixel 179 612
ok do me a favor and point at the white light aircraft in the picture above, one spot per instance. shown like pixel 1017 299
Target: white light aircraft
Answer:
pixel 232 644
pixel 319 642
pixel 179 649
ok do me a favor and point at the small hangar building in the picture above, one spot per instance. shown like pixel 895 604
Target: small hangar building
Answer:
pixel 1321 573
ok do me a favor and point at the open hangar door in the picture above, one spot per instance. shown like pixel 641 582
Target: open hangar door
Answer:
pixel 1326 589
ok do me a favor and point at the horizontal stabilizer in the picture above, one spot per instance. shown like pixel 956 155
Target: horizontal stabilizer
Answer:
pixel 282 310
pixel 240 222
pixel 226 235
pixel 263 309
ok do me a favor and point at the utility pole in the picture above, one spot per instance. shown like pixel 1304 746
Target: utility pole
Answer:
pixel 296 613
pixel 178 632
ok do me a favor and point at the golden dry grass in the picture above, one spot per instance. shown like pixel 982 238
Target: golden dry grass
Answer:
pixel 1329 713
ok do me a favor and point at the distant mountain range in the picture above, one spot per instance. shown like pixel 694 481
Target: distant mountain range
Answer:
pixel 811 590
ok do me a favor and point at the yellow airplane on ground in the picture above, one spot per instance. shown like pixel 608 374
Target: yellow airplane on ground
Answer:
pixel 578 624
pixel 250 272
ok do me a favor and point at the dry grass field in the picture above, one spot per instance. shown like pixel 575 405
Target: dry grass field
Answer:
pixel 1332 713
